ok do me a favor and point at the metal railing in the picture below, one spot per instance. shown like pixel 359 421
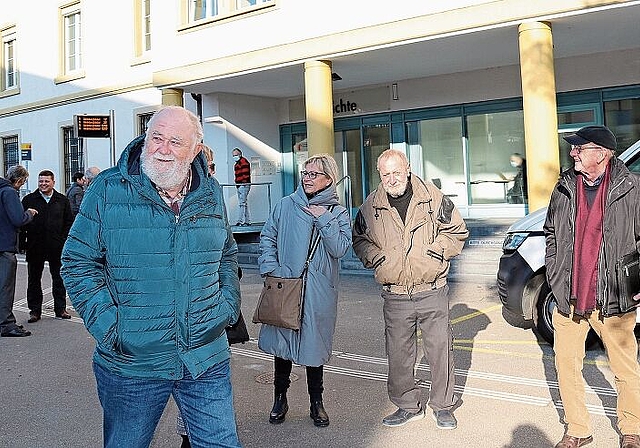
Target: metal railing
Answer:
pixel 252 184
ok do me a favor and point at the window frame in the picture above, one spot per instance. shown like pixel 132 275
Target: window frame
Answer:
pixel 142 31
pixel 8 36
pixel 67 73
pixel 224 9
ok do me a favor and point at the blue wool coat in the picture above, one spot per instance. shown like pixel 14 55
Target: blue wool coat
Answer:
pixel 284 244
pixel 154 289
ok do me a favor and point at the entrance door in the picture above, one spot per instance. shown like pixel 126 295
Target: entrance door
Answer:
pixel 376 139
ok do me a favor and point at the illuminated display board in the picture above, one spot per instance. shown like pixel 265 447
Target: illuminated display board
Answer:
pixel 92 126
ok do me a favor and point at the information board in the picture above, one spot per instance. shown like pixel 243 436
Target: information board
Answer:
pixel 92 126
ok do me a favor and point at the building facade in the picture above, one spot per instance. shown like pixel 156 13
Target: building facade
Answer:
pixel 460 86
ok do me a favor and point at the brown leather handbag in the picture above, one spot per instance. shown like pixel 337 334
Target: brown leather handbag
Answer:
pixel 281 300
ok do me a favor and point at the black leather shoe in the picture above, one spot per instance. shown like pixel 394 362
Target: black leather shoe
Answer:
pixel 402 417
pixel 318 414
pixel 33 318
pixel 63 315
pixel 16 332
pixel 279 410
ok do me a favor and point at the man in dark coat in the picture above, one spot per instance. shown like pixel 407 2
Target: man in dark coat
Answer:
pixel 593 220
pixel 43 239
pixel 12 216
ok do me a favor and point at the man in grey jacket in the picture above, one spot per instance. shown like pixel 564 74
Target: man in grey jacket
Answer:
pixel 593 221
pixel 407 230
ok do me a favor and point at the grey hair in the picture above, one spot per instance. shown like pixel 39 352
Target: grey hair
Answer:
pixel 193 118
pixel 328 164
pixel 91 172
pixel 389 153
pixel 17 172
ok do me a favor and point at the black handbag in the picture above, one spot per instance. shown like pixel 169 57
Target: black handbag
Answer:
pixel 628 279
pixel 237 333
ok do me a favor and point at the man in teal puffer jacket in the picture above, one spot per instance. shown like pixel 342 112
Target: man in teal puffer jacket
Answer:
pixel 150 265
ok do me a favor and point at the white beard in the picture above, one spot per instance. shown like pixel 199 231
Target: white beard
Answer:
pixel 396 191
pixel 166 175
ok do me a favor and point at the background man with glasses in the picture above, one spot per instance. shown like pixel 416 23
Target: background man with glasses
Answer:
pixel 593 220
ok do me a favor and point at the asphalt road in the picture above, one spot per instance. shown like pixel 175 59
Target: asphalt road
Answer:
pixel 504 375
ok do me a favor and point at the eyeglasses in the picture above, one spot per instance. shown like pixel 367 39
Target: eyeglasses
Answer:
pixel 174 142
pixel 311 174
pixel 579 148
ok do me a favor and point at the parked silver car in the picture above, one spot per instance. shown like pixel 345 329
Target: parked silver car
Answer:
pixel 522 285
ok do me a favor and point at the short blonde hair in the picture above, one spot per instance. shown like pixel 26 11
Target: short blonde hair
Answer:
pixel 208 153
pixel 328 164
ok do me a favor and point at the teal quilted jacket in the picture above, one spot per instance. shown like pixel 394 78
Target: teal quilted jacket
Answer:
pixel 155 290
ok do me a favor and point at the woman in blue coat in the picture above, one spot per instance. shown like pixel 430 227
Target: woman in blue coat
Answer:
pixel 284 244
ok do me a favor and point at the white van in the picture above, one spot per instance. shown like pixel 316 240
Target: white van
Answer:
pixel 522 285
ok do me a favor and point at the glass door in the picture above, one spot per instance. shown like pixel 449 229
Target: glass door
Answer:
pixel 376 139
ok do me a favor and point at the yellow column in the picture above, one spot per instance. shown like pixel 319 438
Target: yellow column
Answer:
pixel 540 111
pixel 172 97
pixel 318 96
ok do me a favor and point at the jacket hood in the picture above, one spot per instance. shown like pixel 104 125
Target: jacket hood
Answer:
pixel 130 165
pixel 5 183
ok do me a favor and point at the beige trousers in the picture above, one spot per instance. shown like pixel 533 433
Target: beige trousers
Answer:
pixel 621 347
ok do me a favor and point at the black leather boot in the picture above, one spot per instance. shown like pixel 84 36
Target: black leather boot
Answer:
pixel 185 442
pixel 280 408
pixel 318 414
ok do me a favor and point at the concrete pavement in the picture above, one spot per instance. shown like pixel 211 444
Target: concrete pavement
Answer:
pixel 503 373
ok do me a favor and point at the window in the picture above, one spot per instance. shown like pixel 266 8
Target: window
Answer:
pixel 9 152
pixel 143 122
pixel 204 9
pixel 493 138
pixel 436 154
pixel 142 35
pixel 8 65
pixel 73 155
pixel 70 43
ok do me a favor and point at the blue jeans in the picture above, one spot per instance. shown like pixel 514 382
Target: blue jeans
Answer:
pixel 132 407
pixel 243 193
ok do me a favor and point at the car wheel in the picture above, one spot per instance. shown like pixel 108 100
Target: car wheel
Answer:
pixel 544 312
pixel 544 320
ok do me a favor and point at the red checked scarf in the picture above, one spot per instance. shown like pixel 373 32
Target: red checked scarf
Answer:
pixel 588 240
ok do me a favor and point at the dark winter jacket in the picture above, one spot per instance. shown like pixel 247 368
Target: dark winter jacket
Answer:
pixel 155 290
pixel 12 217
pixel 621 235
pixel 44 237
pixel 75 193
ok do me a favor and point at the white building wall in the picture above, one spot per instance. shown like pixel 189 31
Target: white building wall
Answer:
pixel 251 124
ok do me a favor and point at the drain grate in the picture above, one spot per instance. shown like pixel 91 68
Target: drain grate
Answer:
pixel 267 378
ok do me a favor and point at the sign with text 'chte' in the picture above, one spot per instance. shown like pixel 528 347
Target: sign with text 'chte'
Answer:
pixel 92 126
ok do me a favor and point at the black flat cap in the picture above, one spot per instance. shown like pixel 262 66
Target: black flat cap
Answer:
pixel 600 135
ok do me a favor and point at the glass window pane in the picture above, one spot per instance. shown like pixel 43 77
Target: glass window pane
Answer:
pixel 376 140
pixel 623 118
pixel 436 154
pixel 493 139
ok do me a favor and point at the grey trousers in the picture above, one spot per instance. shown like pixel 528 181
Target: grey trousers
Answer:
pixel 8 266
pixel 403 315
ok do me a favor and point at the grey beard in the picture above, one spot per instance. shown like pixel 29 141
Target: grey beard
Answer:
pixel 167 179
